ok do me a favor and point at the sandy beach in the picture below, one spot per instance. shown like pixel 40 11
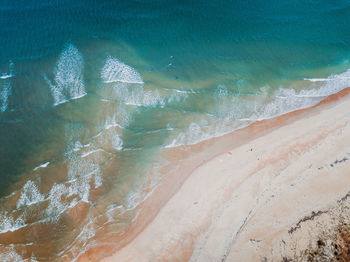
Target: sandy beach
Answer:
pixel 278 192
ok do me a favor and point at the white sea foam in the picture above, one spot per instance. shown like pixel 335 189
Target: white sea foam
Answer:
pixel 334 84
pixel 285 100
pixel 33 258
pixel 221 91
pixel 137 196
pixel 176 96
pixel 74 147
pixel 98 179
pixel 6 76
pixel 77 146
pixel 111 209
pixel 69 82
pixel 317 79
pixel 81 172
pixel 10 255
pixel 133 199
pixel 5 92
pixel 111 121
pixel 325 79
pixel 98 134
pixel 121 118
pixel 10 72
pixel 117 142
pixel 116 71
pixel 85 154
pixel 56 206
pixel 128 88
pixel 195 133
pixel 87 233
pixel 80 187
pixel 9 224
pixel 137 96
pixel 111 137
pixel 41 166
pixel 30 195
pixel 240 112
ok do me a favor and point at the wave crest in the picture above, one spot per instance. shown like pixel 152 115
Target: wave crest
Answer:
pixel 69 83
pixel 116 71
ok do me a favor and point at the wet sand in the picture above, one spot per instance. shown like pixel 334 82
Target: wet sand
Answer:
pixel 256 196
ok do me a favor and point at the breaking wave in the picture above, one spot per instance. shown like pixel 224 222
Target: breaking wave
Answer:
pixel 6 76
pixel 30 195
pixel 41 166
pixel 69 82
pixel 5 87
pixel 116 71
pixel 5 92
pixel 137 96
pixel 126 86
pixel 240 112
pixel 10 224
pixel 11 255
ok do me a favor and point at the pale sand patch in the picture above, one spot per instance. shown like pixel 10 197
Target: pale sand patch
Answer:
pixel 239 206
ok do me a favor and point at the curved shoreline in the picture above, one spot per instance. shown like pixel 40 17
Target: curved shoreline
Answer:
pixel 149 237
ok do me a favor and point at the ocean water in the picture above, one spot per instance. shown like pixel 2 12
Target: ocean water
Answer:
pixel 93 92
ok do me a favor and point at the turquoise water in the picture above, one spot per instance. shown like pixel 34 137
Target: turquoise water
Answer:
pixel 91 92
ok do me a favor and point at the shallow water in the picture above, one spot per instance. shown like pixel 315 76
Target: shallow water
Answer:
pixel 92 92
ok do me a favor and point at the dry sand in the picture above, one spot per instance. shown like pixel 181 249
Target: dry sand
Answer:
pixel 279 194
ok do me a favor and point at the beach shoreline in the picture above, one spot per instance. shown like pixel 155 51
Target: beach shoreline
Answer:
pixel 192 216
